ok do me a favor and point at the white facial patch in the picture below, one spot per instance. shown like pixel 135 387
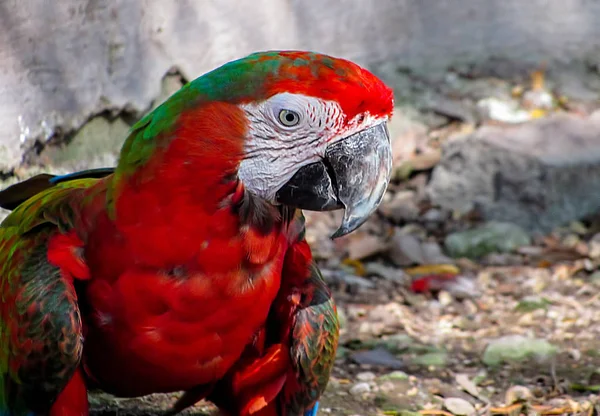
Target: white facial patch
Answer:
pixel 275 151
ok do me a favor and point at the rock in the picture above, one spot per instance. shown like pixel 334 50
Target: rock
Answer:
pixel 407 249
pixel 538 99
pixel 432 253
pixel 388 273
pixel 432 359
pixel 488 238
pixel 453 109
pixel 517 348
pixel 117 53
pixel 360 388
pixel 500 110
pixel 395 375
pixel 340 277
pixel 538 175
pixel 378 357
pixel 364 245
pixel 96 144
pixel 467 385
pixel 342 317
pixel 366 376
pixel 517 394
pixel 402 207
pixel 459 406
pixel 434 215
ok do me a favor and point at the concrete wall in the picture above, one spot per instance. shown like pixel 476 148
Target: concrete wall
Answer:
pixel 64 61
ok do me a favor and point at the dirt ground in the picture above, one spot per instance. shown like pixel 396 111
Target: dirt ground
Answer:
pixel 510 332
pixel 433 348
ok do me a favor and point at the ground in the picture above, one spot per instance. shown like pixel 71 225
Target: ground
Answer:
pixel 439 342
pixel 511 329
pixel 492 322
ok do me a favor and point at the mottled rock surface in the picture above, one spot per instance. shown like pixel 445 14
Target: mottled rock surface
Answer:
pixel 538 175
pixel 66 61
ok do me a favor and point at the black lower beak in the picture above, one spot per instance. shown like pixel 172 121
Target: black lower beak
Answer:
pixel 353 175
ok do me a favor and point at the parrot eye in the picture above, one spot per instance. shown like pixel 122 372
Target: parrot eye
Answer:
pixel 289 118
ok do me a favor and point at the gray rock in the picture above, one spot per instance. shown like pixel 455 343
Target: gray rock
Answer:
pixel 458 406
pixel 488 238
pixel 118 51
pixel 517 348
pixel 401 207
pixel 378 357
pixel 360 388
pixel 406 249
pixel 341 277
pixel 539 174
pixel 389 273
pixel 366 376
pixel 434 359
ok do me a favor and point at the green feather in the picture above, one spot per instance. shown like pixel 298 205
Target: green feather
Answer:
pixel 234 82
pixel 314 350
pixel 40 325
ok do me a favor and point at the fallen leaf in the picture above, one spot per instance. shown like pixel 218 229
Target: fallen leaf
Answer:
pixel 433 269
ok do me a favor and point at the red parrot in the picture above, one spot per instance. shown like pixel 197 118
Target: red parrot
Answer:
pixel 187 268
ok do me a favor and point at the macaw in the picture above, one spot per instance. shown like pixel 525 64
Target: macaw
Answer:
pixel 185 268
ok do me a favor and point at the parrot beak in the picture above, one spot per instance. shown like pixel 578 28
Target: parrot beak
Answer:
pixel 353 175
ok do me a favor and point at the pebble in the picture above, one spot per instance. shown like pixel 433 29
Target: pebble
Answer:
pixel 360 388
pixel 365 376
pixel 517 393
pixel 445 298
pixel 459 406
pixel 388 273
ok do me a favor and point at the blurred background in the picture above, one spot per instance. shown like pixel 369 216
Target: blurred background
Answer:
pixel 474 290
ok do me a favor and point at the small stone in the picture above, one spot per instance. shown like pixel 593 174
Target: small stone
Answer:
pixel 401 207
pixel 365 245
pixel 432 359
pixel 491 237
pixel 342 317
pixel 365 376
pixel 541 99
pixel 516 348
pixel 341 277
pixel 360 388
pixel 505 111
pixel 467 385
pixel 378 357
pixel 395 375
pixel 434 215
pixel 412 392
pixel 405 249
pixel 575 354
pixel 388 273
pixel 432 254
pixel 517 394
pixel 459 406
pixel 445 298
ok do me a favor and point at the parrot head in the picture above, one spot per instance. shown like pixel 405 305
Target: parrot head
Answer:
pixel 317 137
pixel 313 131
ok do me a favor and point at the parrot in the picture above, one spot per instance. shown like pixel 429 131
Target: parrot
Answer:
pixel 186 266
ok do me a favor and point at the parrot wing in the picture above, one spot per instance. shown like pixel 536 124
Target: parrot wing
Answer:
pixel 315 337
pixel 16 194
pixel 40 324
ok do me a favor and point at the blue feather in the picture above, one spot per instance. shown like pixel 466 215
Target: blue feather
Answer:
pixel 313 411
pixel 90 173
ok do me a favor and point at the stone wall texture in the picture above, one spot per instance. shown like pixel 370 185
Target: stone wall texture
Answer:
pixel 64 61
